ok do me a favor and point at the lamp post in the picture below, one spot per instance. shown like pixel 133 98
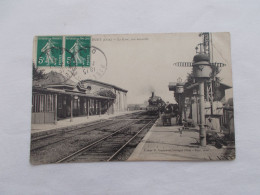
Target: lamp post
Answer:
pixel 195 94
pixel 202 71
pixel 71 108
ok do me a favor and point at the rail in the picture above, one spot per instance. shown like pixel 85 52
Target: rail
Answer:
pixel 92 144
pixel 120 149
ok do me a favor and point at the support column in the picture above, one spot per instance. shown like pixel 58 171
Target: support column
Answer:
pixel 113 107
pixel 85 104
pixel 125 101
pixel 44 107
pixel 95 107
pixel 202 115
pixel 55 109
pixel 207 93
pixel 184 108
pixel 88 107
pixel 108 107
pixel 121 101
pixel 100 108
pixel 118 103
pixel 71 108
pixel 197 110
pixel 180 108
pixel 211 99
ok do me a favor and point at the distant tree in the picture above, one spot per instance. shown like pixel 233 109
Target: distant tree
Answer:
pixel 38 74
pixel 106 93
pixel 190 79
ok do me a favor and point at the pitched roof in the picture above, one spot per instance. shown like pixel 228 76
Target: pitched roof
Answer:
pixel 57 80
pixel 103 83
pixel 67 92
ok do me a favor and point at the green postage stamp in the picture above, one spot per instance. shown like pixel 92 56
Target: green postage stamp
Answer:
pixel 77 51
pixel 57 51
pixel 49 51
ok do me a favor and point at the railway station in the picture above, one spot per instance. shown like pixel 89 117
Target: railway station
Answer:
pixel 57 97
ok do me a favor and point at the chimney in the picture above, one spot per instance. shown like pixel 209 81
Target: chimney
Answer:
pixel 152 94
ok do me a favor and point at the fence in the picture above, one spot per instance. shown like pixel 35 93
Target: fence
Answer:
pixel 227 120
pixel 43 108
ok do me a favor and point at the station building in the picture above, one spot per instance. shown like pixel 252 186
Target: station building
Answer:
pixel 56 97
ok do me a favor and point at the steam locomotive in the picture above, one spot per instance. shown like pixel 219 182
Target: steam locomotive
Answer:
pixel 156 104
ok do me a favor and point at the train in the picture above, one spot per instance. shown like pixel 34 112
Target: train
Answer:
pixel 155 104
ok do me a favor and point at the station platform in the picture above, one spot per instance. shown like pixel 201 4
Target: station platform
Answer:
pixel 45 129
pixel 170 144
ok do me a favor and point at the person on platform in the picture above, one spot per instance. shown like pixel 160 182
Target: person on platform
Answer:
pixel 168 108
pixel 168 113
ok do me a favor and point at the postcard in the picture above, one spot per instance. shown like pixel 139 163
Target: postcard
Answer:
pixel 132 97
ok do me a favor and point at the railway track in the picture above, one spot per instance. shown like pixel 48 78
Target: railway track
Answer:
pixel 56 147
pixel 70 134
pixel 41 142
pixel 88 125
pixel 108 147
pixel 64 131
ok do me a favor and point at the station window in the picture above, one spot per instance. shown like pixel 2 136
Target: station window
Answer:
pixel 42 103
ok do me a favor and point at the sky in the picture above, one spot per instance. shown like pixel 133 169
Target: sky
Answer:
pixel 146 65
pixel 143 63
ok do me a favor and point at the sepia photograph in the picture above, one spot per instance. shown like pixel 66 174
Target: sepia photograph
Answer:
pixel 132 97
pixel 129 97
